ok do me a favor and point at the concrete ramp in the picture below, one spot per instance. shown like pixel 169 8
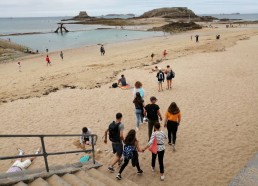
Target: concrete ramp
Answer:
pixel 248 176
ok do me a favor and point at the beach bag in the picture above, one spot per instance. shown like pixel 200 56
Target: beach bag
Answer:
pixel 173 74
pixel 114 85
pixel 128 151
pixel 154 146
pixel 84 159
pixel 113 131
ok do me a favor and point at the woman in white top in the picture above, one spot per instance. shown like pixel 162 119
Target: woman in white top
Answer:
pixel 160 136
pixel 138 88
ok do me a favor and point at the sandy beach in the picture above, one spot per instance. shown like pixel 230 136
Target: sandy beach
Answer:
pixel 215 88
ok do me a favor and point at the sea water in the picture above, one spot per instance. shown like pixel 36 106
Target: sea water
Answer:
pixel 54 42
pixel 243 17
pixel 78 35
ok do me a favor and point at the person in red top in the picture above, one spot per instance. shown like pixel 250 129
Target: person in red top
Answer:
pixel 48 61
pixel 165 53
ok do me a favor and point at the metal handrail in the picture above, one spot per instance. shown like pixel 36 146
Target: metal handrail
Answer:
pixel 44 153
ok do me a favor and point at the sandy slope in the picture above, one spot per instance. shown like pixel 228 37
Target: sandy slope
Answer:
pixel 217 93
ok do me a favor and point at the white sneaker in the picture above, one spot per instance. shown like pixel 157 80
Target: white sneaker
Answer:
pixel 38 151
pixel 21 152
pixel 174 147
pixel 152 169
pixel 162 178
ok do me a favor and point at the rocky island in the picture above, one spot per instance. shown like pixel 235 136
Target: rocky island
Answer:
pixel 174 19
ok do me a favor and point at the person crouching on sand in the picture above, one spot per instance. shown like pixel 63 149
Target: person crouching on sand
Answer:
pixel 160 137
pixel 48 61
pixel 172 121
pixel 130 153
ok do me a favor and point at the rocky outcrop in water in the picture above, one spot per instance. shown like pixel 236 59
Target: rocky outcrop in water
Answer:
pixel 177 27
pixel 174 12
pixel 82 15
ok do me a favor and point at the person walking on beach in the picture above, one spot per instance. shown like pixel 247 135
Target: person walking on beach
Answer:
pixel 152 56
pixel 197 38
pixel 160 137
pixel 102 50
pixel 48 61
pixel 170 74
pixel 153 114
pixel 161 77
pixel 130 153
pixel 138 88
pixel 115 131
pixel 165 53
pixel 139 109
pixel 20 165
pixel 19 66
pixel 172 121
pixel 62 55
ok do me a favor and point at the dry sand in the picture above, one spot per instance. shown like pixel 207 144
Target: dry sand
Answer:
pixel 215 88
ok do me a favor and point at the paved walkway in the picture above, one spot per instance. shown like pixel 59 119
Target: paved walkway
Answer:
pixel 248 176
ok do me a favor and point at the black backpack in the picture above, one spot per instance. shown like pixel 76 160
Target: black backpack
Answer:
pixel 113 130
pixel 114 85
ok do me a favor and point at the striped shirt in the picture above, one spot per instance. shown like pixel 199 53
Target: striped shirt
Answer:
pixel 161 136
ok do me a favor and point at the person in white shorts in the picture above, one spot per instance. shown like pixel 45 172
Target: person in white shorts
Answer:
pixel 20 165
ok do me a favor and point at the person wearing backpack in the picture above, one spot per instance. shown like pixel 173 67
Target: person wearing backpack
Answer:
pixel 130 153
pixel 153 114
pixel 169 73
pixel 158 136
pixel 115 131
pixel 161 77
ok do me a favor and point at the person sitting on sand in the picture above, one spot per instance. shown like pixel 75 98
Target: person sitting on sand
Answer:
pixel 115 132
pixel 138 88
pixel 130 153
pixel 20 165
pixel 165 53
pixel 122 80
pixel 161 77
pixel 160 137
pixel 48 61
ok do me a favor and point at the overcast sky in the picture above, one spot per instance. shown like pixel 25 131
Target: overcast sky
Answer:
pixel 36 8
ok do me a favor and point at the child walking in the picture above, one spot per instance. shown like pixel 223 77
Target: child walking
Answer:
pixel 130 153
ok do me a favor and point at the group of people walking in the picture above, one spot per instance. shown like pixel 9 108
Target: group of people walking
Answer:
pixel 128 146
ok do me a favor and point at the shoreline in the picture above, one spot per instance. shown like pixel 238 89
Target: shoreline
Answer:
pixel 117 65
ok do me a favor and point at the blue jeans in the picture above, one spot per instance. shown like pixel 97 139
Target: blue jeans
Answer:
pixel 139 118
